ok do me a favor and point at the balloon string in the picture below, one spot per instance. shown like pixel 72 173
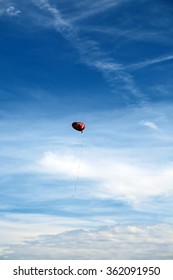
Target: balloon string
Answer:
pixel 78 170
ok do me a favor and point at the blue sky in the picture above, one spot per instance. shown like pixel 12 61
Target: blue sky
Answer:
pixel 107 63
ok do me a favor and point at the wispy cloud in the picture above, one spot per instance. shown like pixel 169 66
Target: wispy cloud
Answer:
pixel 130 34
pixel 149 62
pixel 12 11
pixel 59 22
pixel 6 9
pixel 90 52
pixel 90 8
pixel 149 124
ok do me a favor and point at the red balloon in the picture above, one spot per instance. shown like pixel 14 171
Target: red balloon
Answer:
pixel 80 126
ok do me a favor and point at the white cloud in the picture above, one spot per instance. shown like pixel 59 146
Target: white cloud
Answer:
pixel 116 178
pixel 66 164
pixel 136 185
pixel 149 124
pixel 12 11
pixel 117 242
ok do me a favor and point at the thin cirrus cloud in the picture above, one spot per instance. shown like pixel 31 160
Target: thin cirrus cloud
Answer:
pixel 91 8
pixel 149 62
pixel 90 52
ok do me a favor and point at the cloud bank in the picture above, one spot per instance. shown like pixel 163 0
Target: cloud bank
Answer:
pixel 120 242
